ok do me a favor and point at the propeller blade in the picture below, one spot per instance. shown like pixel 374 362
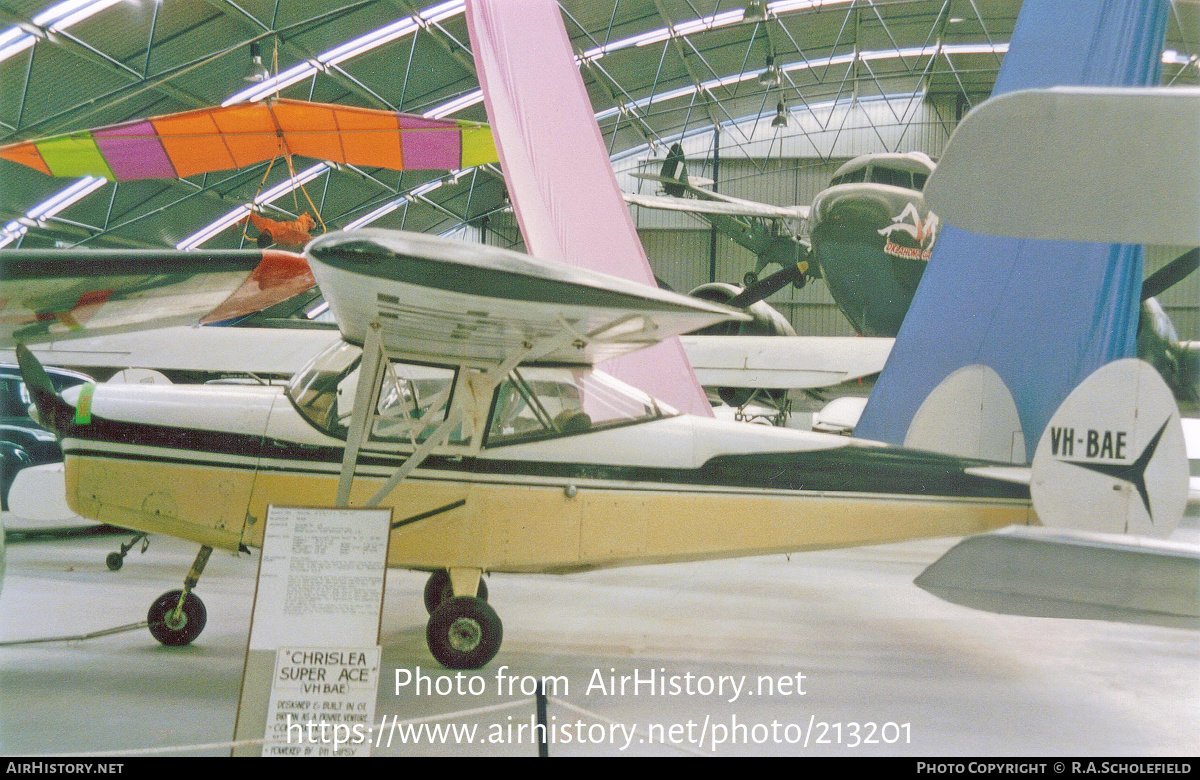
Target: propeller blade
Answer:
pixel 1170 274
pixel 767 286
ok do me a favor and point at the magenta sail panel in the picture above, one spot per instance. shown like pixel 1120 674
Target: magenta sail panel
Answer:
pixel 430 144
pixel 133 151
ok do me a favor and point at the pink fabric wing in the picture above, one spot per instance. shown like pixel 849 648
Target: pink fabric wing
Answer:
pixel 558 172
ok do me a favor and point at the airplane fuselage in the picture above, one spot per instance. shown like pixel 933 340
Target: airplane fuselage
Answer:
pixel 872 243
pixel 204 463
pixel 872 235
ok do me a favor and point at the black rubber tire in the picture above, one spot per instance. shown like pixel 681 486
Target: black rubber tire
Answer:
pixel 437 590
pixel 464 633
pixel 734 396
pixel 114 561
pixel 194 618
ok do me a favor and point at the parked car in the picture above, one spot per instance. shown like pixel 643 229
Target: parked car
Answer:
pixel 22 441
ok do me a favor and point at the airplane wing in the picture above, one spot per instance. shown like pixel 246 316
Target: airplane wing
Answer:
pixel 784 362
pixel 47 295
pixel 437 300
pixel 737 208
pixel 1066 574
pixel 216 350
pixel 1018 163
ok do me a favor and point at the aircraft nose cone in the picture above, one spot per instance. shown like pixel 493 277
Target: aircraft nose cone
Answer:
pixel 855 206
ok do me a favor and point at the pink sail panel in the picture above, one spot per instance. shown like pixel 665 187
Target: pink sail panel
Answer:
pixel 558 173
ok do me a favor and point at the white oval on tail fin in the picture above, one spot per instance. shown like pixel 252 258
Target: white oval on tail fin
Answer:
pixel 971 414
pixel 1112 458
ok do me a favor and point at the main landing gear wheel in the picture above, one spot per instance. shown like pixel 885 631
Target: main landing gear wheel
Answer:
pixel 464 633
pixel 178 616
pixel 438 590
pixel 176 629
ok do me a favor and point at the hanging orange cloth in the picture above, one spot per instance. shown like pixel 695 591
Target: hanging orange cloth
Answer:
pixel 294 233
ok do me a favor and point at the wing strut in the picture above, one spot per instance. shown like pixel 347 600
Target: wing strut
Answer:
pixel 374 361
pixel 370 374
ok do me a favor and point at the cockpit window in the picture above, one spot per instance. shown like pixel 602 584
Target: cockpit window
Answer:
pixel 849 177
pixel 891 176
pixel 413 399
pixel 536 403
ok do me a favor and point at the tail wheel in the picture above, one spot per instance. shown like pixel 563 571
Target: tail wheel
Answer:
pixel 172 630
pixel 464 633
pixel 438 590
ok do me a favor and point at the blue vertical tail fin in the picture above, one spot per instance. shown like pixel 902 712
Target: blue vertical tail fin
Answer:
pixel 1042 314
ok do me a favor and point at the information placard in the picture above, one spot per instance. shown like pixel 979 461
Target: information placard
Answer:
pixel 312 664
pixel 322 702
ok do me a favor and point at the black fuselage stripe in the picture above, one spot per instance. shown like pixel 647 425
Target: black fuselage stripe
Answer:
pixel 844 469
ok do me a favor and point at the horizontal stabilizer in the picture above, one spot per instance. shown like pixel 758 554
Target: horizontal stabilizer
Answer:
pixel 691 182
pixel 783 362
pixel 1042 573
pixel 725 208
pixel 1042 163
pixel 1112 459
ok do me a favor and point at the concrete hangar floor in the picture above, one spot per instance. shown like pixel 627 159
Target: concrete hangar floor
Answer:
pixel 871 647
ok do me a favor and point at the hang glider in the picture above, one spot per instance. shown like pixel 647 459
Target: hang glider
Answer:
pixel 217 139
pixel 54 294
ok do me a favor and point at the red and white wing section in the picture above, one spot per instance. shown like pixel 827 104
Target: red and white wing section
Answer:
pixel 447 301
pixel 46 295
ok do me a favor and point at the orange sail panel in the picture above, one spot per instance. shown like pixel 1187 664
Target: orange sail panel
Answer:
pixel 216 139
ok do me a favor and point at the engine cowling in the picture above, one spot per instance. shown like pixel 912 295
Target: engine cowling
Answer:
pixel 767 322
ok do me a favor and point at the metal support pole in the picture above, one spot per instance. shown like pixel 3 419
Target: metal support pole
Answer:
pixel 543 746
pixel 712 232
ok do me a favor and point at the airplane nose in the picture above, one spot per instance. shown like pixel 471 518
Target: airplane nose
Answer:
pixel 855 208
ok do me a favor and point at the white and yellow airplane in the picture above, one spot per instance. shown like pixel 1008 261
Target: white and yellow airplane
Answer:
pixel 463 395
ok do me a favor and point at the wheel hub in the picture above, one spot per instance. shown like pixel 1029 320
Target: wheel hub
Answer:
pixel 465 634
pixel 171 621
